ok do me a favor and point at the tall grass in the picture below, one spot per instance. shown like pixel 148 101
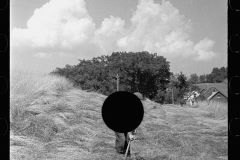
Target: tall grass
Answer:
pixel 214 109
pixel 27 84
pixel 27 88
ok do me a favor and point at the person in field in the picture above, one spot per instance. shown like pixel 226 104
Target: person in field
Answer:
pixel 122 139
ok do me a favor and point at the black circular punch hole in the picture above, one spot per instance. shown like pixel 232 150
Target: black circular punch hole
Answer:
pixel 234 42
pixel 122 111
pixel 4 126
pixel 234 86
pixel 3 43
pixel 3 4
pixel 234 5
pixel 234 126
pixel 3 85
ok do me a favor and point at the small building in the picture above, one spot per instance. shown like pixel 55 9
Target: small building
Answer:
pixel 218 97
pixel 210 91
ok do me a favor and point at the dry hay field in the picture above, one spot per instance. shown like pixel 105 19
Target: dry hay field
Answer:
pixel 52 120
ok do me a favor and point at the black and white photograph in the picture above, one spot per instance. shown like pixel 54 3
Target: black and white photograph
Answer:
pixel 118 80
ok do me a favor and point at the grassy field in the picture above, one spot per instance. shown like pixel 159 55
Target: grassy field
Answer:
pixel 50 119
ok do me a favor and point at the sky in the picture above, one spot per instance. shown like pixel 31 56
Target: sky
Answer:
pixel 49 34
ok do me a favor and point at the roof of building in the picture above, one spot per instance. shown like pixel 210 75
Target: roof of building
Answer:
pixel 221 87
pixel 209 92
pixel 213 94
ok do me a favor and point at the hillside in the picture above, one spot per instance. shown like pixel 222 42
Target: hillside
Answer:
pixel 50 119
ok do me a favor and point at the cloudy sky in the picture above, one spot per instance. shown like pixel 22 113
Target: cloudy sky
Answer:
pixel 45 34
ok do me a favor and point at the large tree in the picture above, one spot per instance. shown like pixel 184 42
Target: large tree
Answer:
pixel 219 74
pixel 209 78
pixel 216 76
pixel 139 71
pixel 202 78
pixel 177 87
pixel 194 79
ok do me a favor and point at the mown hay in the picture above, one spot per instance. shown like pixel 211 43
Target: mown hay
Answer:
pixel 65 123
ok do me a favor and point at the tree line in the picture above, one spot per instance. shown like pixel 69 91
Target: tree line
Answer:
pixel 141 72
pixel 217 75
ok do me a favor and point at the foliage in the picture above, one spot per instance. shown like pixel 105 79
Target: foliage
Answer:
pixel 194 79
pixel 182 79
pixel 161 97
pixel 202 78
pixel 139 72
pixel 209 78
pixel 179 86
pixel 217 75
pixel 194 88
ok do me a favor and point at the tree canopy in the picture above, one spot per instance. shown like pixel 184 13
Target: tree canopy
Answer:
pixel 194 79
pixel 139 72
pixel 217 75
